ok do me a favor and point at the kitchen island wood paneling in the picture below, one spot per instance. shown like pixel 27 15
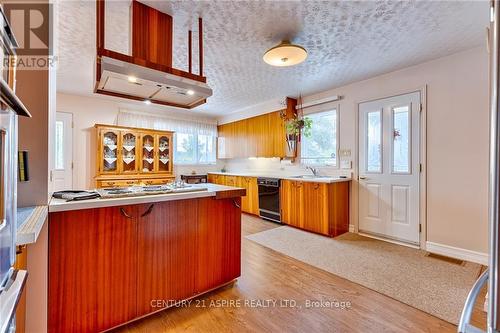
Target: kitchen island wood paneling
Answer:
pixel 111 265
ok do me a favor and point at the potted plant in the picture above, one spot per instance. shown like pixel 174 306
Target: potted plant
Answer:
pixel 294 128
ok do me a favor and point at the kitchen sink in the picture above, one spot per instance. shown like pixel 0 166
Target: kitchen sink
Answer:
pixel 310 177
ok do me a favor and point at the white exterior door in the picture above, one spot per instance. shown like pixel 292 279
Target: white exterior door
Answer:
pixel 389 167
pixel 62 175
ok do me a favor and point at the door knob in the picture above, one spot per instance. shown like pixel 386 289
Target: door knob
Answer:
pixel 362 177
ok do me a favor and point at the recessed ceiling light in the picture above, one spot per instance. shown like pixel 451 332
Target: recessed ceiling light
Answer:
pixel 132 79
pixel 285 54
pixel 190 92
pixel 147 102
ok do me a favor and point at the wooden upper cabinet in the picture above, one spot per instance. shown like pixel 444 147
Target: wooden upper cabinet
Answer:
pixel 108 150
pixel 260 136
pixel 278 134
pixel 148 150
pixel 129 157
pixel 163 147
pixel 240 134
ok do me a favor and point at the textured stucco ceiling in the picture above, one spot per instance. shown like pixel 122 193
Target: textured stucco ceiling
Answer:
pixel 346 41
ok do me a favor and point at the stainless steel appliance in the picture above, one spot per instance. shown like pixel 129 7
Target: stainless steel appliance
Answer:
pixel 490 275
pixel 11 281
pixel 269 199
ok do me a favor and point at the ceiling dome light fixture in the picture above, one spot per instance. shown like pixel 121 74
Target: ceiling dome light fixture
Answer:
pixel 285 54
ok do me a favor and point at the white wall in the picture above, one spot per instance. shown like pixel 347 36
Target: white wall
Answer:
pixel 457 141
pixel 88 111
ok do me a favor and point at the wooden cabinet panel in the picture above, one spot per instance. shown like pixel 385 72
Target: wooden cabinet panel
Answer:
pixel 292 203
pixel 260 136
pixel 231 181
pixel 217 179
pixel 107 265
pixel 166 253
pixel 250 202
pixel 316 207
pixel 278 135
pixel 128 162
pixel 338 195
pixel 219 242
pixel 127 153
pixel 92 269
pixel 241 139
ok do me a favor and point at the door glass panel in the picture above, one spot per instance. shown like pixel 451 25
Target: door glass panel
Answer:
pixel 374 141
pixel 164 149
pixel 147 153
pixel 401 140
pixel 128 152
pixel 59 145
pixel 110 143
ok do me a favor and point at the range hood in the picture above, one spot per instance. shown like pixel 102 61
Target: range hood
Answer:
pixel 127 80
pixel 147 75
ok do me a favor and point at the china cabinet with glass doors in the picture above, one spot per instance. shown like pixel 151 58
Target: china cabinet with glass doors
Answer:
pixel 133 156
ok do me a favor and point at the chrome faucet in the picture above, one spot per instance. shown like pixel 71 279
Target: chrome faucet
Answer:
pixel 313 170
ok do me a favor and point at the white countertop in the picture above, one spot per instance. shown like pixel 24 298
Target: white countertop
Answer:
pixel 210 190
pixel 269 175
pixel 30 221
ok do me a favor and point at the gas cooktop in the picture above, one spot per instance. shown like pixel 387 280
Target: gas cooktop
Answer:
pixel 135 191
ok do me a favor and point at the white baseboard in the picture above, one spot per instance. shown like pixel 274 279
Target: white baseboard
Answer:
pixel 457 253
pixel 351 228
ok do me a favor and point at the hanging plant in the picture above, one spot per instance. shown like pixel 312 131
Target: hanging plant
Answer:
pixel 298 126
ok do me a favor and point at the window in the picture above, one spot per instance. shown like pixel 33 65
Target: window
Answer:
pixel 321 147
pixel 59 145
pixel 194 142
pixel 194 148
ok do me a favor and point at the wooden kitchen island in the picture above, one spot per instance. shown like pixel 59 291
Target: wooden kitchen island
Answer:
pixel 112 261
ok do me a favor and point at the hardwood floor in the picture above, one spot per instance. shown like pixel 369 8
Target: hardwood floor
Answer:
pixel 269 275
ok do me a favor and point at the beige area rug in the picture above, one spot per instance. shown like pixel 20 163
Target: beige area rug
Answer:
pixel 432 285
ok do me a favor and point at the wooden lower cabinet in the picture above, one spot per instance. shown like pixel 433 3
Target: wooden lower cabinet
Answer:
pixel 322 208
pixel 166 254
pixel 250 202
pixel 292 199
pixel 219 243
pixel 216 179
pixel 231 181
pixel 108 266
pixel 92 269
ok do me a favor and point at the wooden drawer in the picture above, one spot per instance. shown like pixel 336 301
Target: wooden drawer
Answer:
pixel 159 181
pixel 117 183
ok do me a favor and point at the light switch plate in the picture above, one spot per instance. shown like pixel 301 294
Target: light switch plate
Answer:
pixel 345 164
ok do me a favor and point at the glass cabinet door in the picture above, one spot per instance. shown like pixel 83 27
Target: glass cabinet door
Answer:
pixel 129 152
pixel 109 151
pixel 147 147
pixel 164 146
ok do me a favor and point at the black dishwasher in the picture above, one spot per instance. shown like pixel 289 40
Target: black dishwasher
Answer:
pixel 269 199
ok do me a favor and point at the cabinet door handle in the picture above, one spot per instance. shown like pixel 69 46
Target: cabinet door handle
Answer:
pixel 124 213
pixel 148 211
pixel 236 204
